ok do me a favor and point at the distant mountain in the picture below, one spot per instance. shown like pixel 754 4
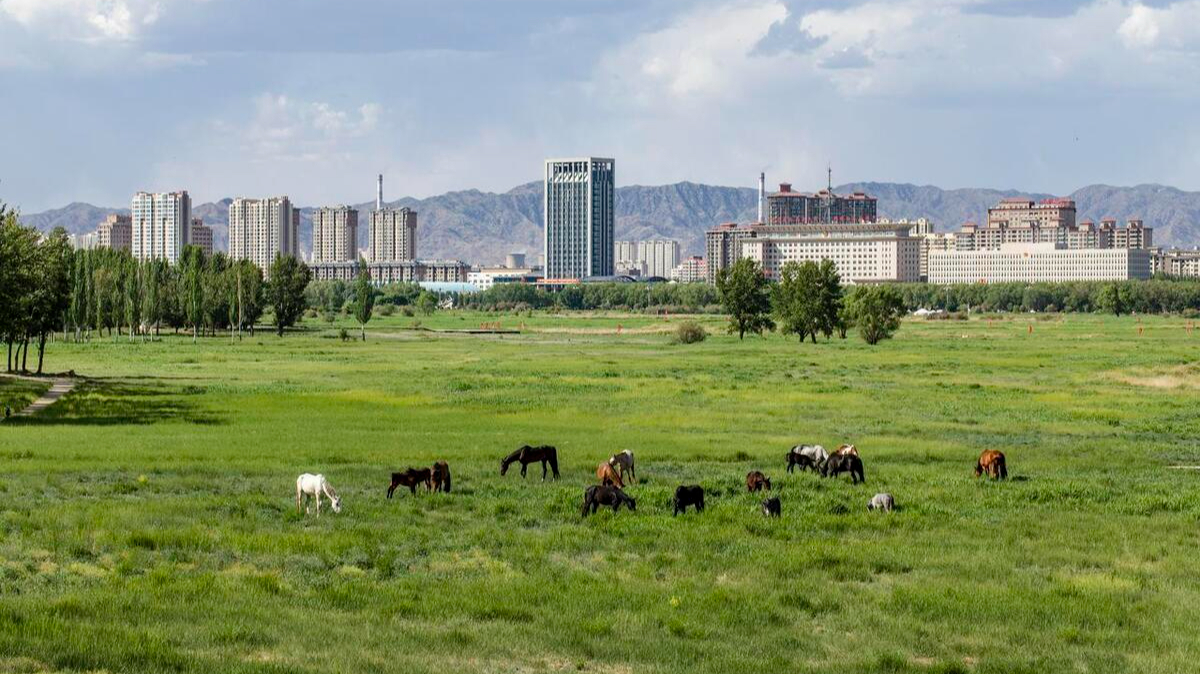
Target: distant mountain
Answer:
pixel 481 227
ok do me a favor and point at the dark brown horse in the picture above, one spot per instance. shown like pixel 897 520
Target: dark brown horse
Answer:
pixel 992 463
pixel 771 507
pixel 411 478
pixel 600 495
pixel 688 495
pixel 527 455
pixel 756 481
pixel 441 476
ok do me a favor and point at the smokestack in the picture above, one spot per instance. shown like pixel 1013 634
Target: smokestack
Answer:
pixel 762 194
pixel 379 195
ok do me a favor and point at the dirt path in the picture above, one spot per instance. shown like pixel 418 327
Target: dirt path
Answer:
pixel 61 387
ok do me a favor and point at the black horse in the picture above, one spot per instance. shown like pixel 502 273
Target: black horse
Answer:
pixel 599 495
pixel 688 495
pixel 527 455
pixel 411 478
pixel 844 463
pixel 771 507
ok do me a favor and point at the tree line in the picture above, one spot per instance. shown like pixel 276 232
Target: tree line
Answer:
pixel 46 287
pixel 1153 296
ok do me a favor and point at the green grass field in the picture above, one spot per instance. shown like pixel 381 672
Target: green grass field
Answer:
pixel 147 521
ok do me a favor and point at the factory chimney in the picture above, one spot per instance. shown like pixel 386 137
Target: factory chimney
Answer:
pixel 379 195
pixel 762 194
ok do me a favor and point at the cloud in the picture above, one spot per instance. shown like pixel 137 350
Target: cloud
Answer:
pixel 846 58
pixel 85 19
pixel 287 129
pixel 787 36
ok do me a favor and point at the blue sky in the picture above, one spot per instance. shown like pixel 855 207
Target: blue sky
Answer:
pixel 312 98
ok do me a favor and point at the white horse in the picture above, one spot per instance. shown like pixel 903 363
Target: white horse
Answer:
pixel 623 462
pixel 815 452
pixel 312 486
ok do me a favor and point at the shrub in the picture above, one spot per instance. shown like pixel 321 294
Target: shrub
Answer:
pixel 407 312
pixel 386 309
pixel 343 335
pixel 690 332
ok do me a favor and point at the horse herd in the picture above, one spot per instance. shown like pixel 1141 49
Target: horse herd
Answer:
pixel 620 469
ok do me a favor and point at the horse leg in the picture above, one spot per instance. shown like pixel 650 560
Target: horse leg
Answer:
pixel 524 467
pixel 544 470
pixel 318 503
pixel 298 497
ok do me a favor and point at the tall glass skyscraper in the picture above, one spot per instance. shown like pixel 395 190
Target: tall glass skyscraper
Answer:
pixel 580 218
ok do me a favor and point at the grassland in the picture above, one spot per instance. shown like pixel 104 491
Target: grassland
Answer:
pixel 147 521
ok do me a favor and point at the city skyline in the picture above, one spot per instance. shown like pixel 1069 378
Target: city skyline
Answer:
pixel 888 91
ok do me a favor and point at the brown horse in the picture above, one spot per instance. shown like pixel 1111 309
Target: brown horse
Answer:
pixel 608 475
pixel 411 478
pixel 527 455
pixel 441 476
pixel 600 495
pixel 847 450
pixel 992 463
pixel 756 481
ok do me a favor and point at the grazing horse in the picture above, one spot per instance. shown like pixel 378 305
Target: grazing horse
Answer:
pixel 771 507
pixel 411 478
pixel 608 475
pixel 527 455
pixel 808 457
pixel 883 502
pixel 600 495
pixel 441 476
pixel 992 463
pixel 844 463
pixel 623 461
pixel 312 486
pixel 846 450
pixel 688 495
pixel 756 481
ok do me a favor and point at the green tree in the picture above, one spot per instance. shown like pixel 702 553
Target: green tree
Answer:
pixel 191 287
pixel 743 292
pixel 427 302
pixel 285 290
pixel 52 290
pixel 364 297
pixel 876 311
pixel 797 300
pixel 1111 299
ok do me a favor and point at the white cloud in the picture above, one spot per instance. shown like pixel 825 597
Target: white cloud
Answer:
pixel 1141 28
pixel 85 19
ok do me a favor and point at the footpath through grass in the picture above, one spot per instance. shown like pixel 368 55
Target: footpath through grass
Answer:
pixel 147 520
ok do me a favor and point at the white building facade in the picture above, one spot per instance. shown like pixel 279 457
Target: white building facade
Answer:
pixel 862 253
pixel 579 217
pixel 1038 262
pixel 691 270
pixel 334 235
pixel 161 225
pixel 647 258
pixel 260 229
pixel 393 234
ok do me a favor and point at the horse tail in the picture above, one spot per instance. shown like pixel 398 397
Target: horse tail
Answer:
pixel 447 479
pixel 552 456
pixel 1003 470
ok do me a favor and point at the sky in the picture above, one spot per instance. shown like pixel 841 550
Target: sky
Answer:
pixel 314 98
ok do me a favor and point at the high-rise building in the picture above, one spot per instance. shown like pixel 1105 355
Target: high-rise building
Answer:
pixel 578 208
pixel 723 247
pixel 161 225
pixel 335 235
pixel 393 235
pixel 116 232
pixel 260 229
pixel 202 236
pixel 647 258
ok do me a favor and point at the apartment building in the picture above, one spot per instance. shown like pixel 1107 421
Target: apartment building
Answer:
pixel 115 232
pixel 691 270
pixel 1038 262
pixel 160 225
pixel 202 236
pixel 787 207
pixel 723 247
pixel 1177 262
pixel 261 229
pixel 396 271
pixel 647 258
pixel 335 234
pixel 393 234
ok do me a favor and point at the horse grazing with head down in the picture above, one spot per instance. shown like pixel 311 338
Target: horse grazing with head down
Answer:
pixel 526 455
pixel 844 463
pixel 600 495
pixel 883 502
pixel 771 507
pixel 440 475
pixel 309 486
pixel 808 457
pixel 688 495
pixel 992 463
pixel 608 475
pixel 756 481
pixel 623 462
pixel 411 478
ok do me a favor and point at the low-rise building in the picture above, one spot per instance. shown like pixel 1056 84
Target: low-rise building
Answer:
pixel 1177 262
pixel 486 277
pixel 692 270
pixel 395 271
pixel 862 253
pixel 1038 262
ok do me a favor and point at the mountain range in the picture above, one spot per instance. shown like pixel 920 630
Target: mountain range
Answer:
pixel 481 227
